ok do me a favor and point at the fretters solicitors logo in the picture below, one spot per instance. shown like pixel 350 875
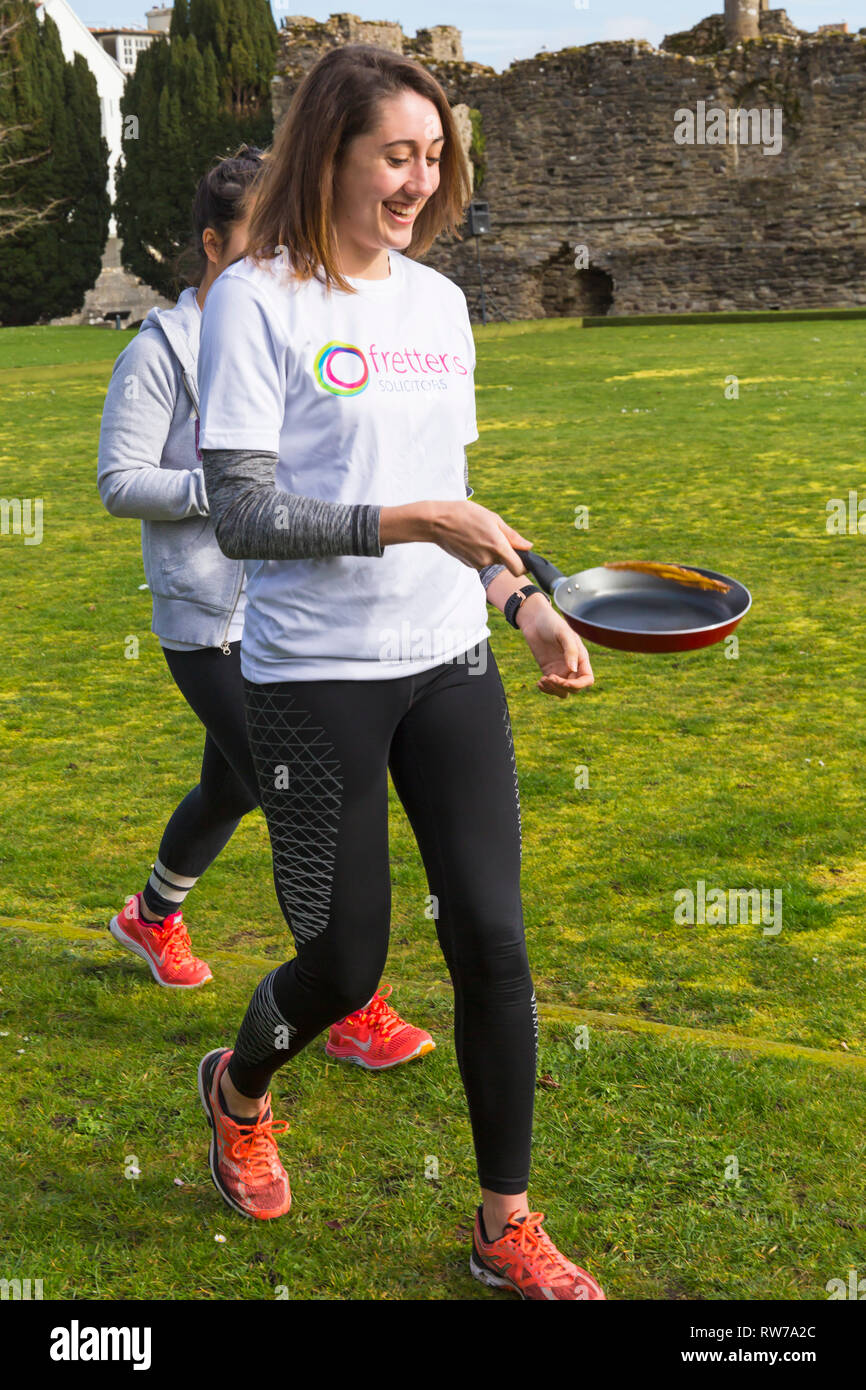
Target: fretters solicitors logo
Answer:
pixel 342 369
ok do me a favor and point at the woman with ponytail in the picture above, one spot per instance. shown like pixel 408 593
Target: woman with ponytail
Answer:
pixel 150 468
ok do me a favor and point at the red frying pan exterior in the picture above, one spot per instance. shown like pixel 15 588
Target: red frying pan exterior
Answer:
pixel 651 641
pixel 660 615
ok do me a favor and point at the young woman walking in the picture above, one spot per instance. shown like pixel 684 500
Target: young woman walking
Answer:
pixel 334 366
pixel 150 468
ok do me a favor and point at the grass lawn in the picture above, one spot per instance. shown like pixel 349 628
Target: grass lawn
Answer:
pixel 712 1049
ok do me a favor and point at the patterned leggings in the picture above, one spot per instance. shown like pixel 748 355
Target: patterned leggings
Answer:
pixel 322 752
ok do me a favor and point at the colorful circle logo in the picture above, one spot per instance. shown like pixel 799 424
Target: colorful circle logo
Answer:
pixel 337 373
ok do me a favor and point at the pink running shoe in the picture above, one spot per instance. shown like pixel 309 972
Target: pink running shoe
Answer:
pixel 525 1259
pixel 376 1037
pixel 164 945
pixel 244 1162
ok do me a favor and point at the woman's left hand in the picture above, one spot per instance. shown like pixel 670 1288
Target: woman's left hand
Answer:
pixel 555 647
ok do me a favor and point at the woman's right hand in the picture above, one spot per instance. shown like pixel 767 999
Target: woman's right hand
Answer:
pixel 472 534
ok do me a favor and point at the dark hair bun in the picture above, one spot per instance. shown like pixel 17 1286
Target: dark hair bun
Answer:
pixel 219 202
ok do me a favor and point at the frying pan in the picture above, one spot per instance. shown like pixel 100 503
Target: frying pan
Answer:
pixel 636 612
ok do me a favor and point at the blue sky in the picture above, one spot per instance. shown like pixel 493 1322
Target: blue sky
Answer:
pixel 499 31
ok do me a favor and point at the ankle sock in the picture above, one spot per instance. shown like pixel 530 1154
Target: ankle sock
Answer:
pixel 147 921
pixel 484 1235
pixel 238 1119
pixel 165 890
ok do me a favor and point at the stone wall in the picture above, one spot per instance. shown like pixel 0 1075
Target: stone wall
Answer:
pixel 443 44
pixel 303 41
pixel 709 35
pixel 580 151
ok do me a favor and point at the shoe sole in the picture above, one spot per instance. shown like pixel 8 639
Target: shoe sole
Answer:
pixel 498 1281
pixel 420 1051
pixel 204 1097
pixel 491 1280
pixel 123 940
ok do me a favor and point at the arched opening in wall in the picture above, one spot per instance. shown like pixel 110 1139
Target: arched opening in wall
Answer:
pixel 567 292
pixel 594 292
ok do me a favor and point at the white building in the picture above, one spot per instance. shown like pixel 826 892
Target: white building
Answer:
pixel 125 45
pixel 75 37
pixel 110 54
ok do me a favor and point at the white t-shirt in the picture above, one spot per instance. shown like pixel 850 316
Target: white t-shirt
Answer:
pixel 365 398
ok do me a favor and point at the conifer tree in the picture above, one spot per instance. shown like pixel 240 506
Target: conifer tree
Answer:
pixel 194 96
pixel 54 163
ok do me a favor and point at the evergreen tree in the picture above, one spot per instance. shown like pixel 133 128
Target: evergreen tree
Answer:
pixel 14 215
pixel 195 95
pixel 55 162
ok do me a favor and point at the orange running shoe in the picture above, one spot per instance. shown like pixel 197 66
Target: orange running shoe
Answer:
pixel 525 1259
pixel 376 1037
pixel 244 1162
pixel 164 945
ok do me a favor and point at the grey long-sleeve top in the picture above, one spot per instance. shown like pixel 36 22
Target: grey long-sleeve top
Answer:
pixel 255 520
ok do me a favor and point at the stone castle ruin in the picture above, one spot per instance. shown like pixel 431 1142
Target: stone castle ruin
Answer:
pixel 724 170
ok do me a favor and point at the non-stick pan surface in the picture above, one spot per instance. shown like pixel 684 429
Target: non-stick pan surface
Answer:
pixel 637 612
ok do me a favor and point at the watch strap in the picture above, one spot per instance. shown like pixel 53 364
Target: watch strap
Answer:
pixel 517 600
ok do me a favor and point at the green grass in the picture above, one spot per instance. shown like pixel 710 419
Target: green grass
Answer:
pixel 744 773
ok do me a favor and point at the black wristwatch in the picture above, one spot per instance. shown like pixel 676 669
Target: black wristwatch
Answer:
pixel 516 602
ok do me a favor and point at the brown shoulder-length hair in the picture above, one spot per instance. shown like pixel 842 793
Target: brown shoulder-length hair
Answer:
pixel 338 99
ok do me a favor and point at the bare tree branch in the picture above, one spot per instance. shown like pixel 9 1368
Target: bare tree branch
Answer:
pixel 15 219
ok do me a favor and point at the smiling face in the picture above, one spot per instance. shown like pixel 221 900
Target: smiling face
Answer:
pixel 384 180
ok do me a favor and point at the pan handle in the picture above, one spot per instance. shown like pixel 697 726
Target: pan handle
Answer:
pixel 541 569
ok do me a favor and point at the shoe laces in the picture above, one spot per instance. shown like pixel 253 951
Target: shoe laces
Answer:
pixel 173 937
pixel 528 1236
pixel 255 1145
pixel 380 1016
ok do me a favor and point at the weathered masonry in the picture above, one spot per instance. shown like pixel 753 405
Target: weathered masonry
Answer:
pixel 660 162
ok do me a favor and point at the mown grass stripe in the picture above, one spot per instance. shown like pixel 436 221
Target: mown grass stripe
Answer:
pixel 52 372
pixel 549 1013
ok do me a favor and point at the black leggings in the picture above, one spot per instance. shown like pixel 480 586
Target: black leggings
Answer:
pixel 322 751
pixel 201 826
